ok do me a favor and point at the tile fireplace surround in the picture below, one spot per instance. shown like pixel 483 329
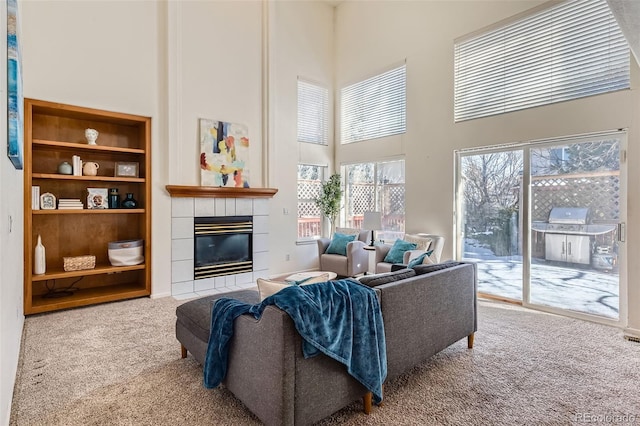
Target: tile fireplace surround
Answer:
pixel 208 202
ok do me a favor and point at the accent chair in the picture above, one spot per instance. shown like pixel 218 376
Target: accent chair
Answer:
pixel 356 260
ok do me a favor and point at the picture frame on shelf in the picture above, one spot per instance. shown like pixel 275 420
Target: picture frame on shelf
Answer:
pixel 126 169
pixel 47 201
pixel 97 198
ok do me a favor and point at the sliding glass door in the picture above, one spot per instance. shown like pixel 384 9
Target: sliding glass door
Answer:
pixel 543 222
pixel 490 231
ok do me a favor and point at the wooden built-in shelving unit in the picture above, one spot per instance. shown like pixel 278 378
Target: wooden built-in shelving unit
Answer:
pixel 54 133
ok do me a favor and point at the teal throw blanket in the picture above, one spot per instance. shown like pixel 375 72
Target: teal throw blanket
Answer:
pixel 341 319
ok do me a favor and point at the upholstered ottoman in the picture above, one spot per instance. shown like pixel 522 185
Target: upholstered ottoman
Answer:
pixel 194 320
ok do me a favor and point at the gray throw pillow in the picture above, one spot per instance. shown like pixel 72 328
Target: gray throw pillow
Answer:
pixel 425 269
pixel 387 277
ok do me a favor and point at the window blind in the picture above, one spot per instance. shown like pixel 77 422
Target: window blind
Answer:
pixel 313 113
pixel 571 50
pixel 375 107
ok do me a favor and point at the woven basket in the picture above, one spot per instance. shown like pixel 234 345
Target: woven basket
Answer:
pixel 78 263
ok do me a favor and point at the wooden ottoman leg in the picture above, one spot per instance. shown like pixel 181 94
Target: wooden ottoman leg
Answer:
pixel 183 350
pixel 470 341
pixel 366 400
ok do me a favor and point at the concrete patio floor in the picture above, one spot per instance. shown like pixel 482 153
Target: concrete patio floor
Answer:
pixel 580 289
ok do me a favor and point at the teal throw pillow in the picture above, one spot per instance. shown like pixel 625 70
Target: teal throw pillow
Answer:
pixel 396 254
pixel 338 244
pixel 418 260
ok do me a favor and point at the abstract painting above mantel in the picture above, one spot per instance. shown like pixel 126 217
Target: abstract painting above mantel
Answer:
pixel 224 154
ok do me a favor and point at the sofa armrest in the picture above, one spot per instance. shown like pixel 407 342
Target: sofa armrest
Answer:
pixel 427 313
pixel 269 374
pixel 323 245
pixel 266 346
pixel 357 257
pixel 356 247
pixel 381 252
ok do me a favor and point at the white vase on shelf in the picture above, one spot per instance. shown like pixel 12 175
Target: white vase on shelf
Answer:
pixel 39 259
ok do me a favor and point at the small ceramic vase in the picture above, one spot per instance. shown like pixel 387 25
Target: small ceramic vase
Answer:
pixel 39 259
pixel 90 168
pixel 91 135
pixel 65 168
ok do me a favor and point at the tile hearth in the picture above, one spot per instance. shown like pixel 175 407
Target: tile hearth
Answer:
pixel 183 211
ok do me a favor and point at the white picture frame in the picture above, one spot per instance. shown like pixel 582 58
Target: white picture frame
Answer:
pixel 47 201
pixel 97 198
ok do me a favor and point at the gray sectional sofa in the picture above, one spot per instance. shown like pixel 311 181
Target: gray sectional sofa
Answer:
pixel 424 311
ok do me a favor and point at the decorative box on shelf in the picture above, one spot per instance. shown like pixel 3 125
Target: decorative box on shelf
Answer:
pixel 79 263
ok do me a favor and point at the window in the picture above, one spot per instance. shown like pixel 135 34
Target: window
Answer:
pixel 310 221
pixel 376 187
pixel 313 113
pixel 375 107
pixel 567 51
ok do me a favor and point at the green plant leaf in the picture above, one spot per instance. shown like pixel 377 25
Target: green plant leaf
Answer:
pixel 330 197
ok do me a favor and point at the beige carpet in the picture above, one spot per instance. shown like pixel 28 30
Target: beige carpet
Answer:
pixel 119 364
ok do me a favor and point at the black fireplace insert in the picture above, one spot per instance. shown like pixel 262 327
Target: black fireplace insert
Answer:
pixel 222 246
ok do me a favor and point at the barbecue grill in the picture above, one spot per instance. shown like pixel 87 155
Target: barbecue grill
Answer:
pixel 569 233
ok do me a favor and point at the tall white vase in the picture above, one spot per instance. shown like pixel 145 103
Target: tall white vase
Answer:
pixel 39 260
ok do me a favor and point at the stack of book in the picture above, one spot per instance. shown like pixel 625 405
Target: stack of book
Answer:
pixel 70 204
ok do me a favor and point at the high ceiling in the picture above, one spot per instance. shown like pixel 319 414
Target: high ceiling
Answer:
pixel 627 13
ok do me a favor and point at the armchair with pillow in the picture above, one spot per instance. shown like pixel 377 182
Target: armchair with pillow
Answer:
pixel 409 248
pixel 344 254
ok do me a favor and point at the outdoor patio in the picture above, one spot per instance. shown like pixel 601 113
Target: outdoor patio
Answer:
pixel 578 289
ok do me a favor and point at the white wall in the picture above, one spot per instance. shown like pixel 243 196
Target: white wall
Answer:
pixel 301 46
pixel 374 35
pixel 11 275
pixel 218 72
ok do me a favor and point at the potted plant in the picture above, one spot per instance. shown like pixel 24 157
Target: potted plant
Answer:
pixel 329 200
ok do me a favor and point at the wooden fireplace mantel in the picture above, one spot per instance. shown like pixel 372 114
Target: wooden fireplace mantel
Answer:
pixel 219 192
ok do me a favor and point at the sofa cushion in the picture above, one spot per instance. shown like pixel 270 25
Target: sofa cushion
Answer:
pixel 338 244
pixel 422 243
pixel 268 287
pixel 387 277
pixel 396 253
pixel 195 314
pixel 425 269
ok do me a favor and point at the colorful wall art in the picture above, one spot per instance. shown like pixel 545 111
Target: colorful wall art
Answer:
pixel 15 102
pixel 224 154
